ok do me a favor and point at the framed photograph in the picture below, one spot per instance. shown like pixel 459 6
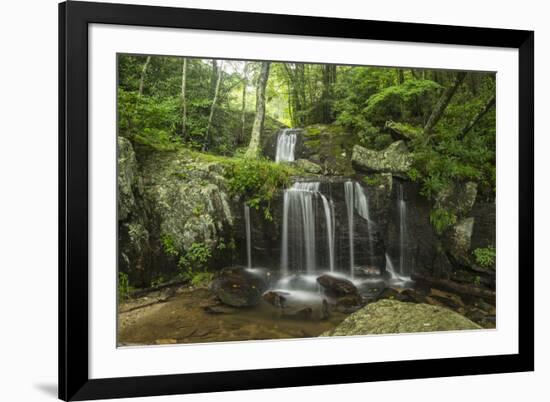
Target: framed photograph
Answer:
pixel 258 200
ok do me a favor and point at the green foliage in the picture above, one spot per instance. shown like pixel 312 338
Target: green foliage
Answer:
pixel 258 180
pixel 441 219
pixel 149 121
pixel 485 257
pixel 169 245
pixel 201 278
pixel 123 286
pixel 195 258
pixel 193 264
pixel 398 101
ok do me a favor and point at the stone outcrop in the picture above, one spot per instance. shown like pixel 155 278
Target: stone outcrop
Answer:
pixel 392 316
pixel 168 202
pixel 395 159
pixel 458 198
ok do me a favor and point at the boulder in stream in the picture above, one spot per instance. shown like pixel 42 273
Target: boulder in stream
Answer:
pixel 392 316
pixel 238 287
pixel 337 287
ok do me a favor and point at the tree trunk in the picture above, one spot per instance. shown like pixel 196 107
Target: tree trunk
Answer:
pixel 400 76
pixel 213 107
pixel 254 146
pixel 490 103
pixel 329 78
pixel 441 105
pixel 143 72
pixel 240 139
pixel 183 100
pixel 213 78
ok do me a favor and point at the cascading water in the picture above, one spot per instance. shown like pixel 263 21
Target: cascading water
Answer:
pixel 299 229
pixel 299 209
pixel 402 229
pixel 350 204
pixel 329 217
pixel 286 145
pixel 248 236
pixel 362 206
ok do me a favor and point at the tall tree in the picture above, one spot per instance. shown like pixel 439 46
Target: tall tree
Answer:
pixel 243 104
pixel 213 107
pixel 142 76
pixel 213 77
pixel 183 100
pixel 444 100
pixel 327 98
pixel 254 145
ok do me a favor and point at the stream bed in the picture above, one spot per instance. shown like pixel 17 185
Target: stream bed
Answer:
pixel 183 319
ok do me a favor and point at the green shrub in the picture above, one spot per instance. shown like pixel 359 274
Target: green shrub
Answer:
pixel 258 180
pixel 201 278
pixel 441 219
pixel 169 245
pixel 123 286
pixel 485 257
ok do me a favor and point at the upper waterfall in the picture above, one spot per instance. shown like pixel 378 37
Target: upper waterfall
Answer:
pixel 286 145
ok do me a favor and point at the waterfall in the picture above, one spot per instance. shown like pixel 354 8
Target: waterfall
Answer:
pixel 248 236
pixel 350 204
pixel 362 206
pixel 329 216
pixel 299 247
pixel 299 209
pixel 402 229
pixel 390 268
pixel 286 143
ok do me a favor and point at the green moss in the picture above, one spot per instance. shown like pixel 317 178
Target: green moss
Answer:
pixel 407 130
pixel 313 131
pixel 374 180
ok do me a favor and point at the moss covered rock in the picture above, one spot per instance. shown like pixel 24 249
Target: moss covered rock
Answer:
pixel 190 199
pixel 395 159
pixel 308 166
pixel 391 316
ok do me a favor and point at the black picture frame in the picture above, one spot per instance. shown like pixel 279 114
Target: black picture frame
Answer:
pixel 74 381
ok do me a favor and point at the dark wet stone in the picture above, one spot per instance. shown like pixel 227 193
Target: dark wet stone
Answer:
pixel 238 288
pixel 336 287
pixel 276 298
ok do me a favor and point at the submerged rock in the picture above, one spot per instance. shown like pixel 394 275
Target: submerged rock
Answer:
pixel 395 159
pixel 238 288
pixel 392 316
pixel 276 298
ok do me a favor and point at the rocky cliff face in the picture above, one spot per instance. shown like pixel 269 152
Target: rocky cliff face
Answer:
pixel 169 202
